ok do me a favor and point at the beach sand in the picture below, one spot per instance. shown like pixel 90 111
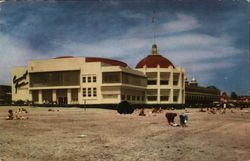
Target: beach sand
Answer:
pixel 99 134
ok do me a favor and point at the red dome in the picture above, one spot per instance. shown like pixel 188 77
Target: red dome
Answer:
pixel 152 61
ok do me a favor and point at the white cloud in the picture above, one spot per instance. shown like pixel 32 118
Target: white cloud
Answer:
pixel 185 49
pixel 195 47
pixel 106 48
pixel 13 53
pixel 183 23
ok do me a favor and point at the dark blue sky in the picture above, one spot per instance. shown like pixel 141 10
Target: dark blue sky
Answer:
pixel 209 38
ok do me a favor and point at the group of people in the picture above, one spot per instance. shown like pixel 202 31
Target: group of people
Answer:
pixel 214 110
pixel 183 119
pixel 170 117
pixel 154 110
pixel 17 115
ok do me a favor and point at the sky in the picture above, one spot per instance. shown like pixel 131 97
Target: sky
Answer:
pixel 209 38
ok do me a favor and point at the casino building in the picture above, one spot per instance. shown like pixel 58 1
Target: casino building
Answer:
pixel 197 96
pixel 99 81
pixel 165 82
pixel 5 94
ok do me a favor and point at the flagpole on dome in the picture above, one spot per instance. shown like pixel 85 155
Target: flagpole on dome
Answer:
pixel 153 23
pixel 154 46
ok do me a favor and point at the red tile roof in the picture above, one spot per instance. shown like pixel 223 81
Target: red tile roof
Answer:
pixel 97 59
pixel 107 61
pixel 62 57
pixel 152 61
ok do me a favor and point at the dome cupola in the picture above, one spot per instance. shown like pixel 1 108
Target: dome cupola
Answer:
pixel 154 60
pixel 193 82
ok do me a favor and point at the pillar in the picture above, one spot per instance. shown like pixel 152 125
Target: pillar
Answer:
pixel 180 96
pixel 40 97
pixel 180 80
pixel 30 95
pixel 54 95
pixel 158 85
pixel 79 96
pixel 69 96
pixel 171 79
pixel 171 95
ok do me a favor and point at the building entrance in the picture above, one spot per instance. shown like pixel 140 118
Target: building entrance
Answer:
pixel 62 96
pixel 62 100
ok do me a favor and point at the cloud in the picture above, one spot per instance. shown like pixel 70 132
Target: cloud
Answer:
pixel 182 23
pixel 13 53
pixel 203 52
pixel 188 48
pixel 180 40
pixel 113 47
pixel 131 15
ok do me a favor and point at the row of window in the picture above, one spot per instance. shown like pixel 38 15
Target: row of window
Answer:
pixel 162 98
pixel 122 77
pixel 162 82
pixel 89 79
pixel 202 90
pixel 92 79
pixel 201 97
pixel 132 98
pixel 109 96
pixel 149 98
pixel 60 78
pixel 89 92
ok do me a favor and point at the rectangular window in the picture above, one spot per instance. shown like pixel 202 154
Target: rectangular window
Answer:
pixel 133 98
pixel 111 77
pixel 175 98
pixel 175 83
pixel 128 97
pixel 138 98
pixel 84 92
pixel 89 79
pixel 176 79
pixel 123 97
pixel 94 78
pixel 152 82
pixel 109 96
pixel 164 82
pixel 176 95
pixel 58 78
pixel 164 98
pixel 89 92
pixel 94 92
pixel 152 98
pixel 84 79
pixel 142 98
pixel 132 79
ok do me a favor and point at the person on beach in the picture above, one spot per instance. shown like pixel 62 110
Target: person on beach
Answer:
pixel 142 112
pixel 183 120
pixel 170 117
pixel 10 115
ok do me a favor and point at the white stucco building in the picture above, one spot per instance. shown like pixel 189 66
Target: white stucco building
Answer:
pixel 99 81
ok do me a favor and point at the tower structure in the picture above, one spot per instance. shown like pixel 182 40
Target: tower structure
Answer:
pixel 165 82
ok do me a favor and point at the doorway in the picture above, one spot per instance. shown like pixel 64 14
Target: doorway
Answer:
pixel 62 100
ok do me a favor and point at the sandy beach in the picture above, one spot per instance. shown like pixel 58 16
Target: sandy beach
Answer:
pixel 100 134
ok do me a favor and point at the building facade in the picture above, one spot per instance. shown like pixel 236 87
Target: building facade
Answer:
pixel 200 96
pixel 97 81
pixel 165 82
pixel 5 95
